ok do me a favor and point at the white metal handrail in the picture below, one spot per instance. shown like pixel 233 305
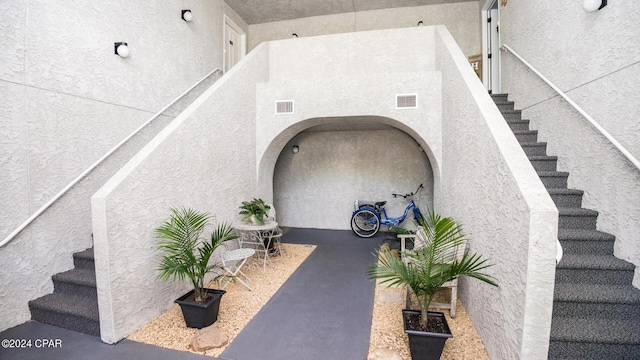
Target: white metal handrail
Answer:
pixel 604 132
pixel 104 157
pixel 595 124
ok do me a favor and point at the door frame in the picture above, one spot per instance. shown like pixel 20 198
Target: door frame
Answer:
pixel 243 39
pixel 495 54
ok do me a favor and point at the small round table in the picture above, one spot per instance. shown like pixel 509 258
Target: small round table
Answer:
pixel 258 237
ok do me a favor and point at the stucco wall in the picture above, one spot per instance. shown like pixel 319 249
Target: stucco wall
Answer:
pixel 69 98
pixel 461 18
pixel 490 187
pixel 204 160
pixel 334 168
pixel 355 81
pixel 595 60
pixel 66 99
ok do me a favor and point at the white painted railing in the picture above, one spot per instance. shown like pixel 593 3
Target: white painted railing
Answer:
pixel 595 124
pixel 98 162
pixel 604 132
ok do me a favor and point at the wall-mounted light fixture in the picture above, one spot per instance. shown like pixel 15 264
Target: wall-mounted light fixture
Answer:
pixel 121 49
pixel 420 23
pixel 593 5
pixel 187 15
pixel 294 35
pixel 295 149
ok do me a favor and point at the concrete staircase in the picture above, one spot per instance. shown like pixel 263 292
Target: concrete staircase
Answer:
pixel 596 310
pixel 73 304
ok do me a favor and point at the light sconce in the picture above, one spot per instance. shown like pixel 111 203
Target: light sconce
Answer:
pixel 420 23
pixel 593 5
pixel 294 35
pixel 295 149
pixel 121 49
pixel 187 15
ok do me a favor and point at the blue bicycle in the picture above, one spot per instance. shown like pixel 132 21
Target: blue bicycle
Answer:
pixel 366 220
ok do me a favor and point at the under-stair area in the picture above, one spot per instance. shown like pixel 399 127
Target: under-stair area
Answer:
pixel 73 304
pixel 596 310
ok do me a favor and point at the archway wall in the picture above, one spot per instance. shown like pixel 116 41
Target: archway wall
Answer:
pixel 316 187
pixel 343 77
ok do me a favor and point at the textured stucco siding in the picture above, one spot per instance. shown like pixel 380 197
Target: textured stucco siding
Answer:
pixel 490 187
pixel 66 99
pixel 204 160
pixel 594 59
pixel 334 168
pixel 461 18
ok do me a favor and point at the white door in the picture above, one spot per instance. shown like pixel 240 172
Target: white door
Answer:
pixel 234 46
pixel 492 50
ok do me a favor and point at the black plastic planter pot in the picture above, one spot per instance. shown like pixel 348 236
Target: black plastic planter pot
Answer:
pixel 200 315
pixel 426 345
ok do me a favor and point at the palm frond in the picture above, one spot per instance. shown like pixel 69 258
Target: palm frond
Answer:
pixel 186 255
pixel 433 263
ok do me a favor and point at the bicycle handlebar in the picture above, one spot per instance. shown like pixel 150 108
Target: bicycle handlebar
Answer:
pixel 410 194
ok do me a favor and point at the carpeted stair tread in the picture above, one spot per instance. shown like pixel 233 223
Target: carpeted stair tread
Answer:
pixel 572 211
pixel 85 277
pixel 584 234
pixel 597 330
pixel 593 262
pixel 553 173
pixel 537 143
pixel 67 304
pixel 589 293
pixel 506 112
pixel 542 157
pixel 525 132
pixel 86 254
pixel 564 191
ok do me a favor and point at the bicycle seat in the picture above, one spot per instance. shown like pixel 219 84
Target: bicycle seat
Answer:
pixel 380 204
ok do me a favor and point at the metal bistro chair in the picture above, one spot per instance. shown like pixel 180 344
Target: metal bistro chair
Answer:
pixel 233 261
pixel 419 239
pixel 273 237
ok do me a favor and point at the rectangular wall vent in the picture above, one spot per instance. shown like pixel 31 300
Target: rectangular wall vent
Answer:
pixel 406 101
pixel 284 107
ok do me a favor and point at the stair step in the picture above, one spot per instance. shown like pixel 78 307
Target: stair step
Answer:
pixel 566 197
pixel 67 311
pixel 84 259
pixel 598 330
pixel 504 105
pixel 499 97
pixel 572 350
pixel 512 114
pixel 577 218
pixel 81 282
pixel 544 162
pixel 526 136
pixel 517 125
pixel 599 338
pixel 594 269
pixel 582 241
pixel 534 148
pixel 588 301
pixel 554 179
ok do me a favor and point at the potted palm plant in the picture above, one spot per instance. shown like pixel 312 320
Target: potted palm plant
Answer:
pixel 186 257
pixel 433 262
pixel 254 210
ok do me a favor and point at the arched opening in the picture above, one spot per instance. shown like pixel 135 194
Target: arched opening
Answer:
pixel 324 166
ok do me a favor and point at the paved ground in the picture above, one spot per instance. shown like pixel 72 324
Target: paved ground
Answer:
pixel 54 343
pixel 322 312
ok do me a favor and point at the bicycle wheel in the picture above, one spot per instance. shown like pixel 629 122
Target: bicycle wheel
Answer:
pixel 365 223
